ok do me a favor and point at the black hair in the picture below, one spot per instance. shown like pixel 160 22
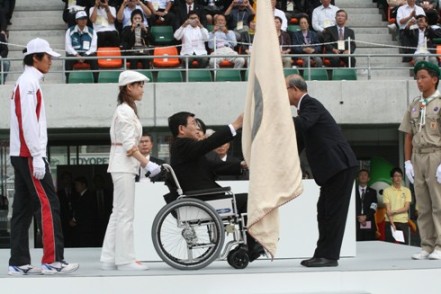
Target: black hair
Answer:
pixel 363 170
pixel 201 125
pixel 135 12
pixel 29 59
pixel 396 170
pixel 178 119
pixel 81 180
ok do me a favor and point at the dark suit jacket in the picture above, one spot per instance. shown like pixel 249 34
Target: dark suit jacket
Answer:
pixel 370 197
pixel 327 150
pixel 193 169
pixel 181 13
pixel 429 33
pixel 331 35
pixel 228 170
pixel 297 39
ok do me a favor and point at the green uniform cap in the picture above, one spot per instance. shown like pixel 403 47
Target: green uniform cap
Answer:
pixel 427 66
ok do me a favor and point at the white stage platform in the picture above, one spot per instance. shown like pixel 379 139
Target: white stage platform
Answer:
pixel 378 268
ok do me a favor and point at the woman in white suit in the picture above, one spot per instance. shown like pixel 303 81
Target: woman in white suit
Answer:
pixel 118 250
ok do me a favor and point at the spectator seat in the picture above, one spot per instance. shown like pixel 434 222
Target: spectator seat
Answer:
pixel 339 74
pixel 162 35
pixel 317 74
pixel 80 77
pixel 228 75
pixel 199 75
pixel 161 57
pixel 109 62
pixel 108 76
pixel 169 76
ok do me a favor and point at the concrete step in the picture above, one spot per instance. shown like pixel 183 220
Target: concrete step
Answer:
pixel 367 21
pixel 384 50
pixel 54 37
pixel 370 30
pixel 375 38
pixel 344 4
pixel 36 24
pixel 354 12
pixel 24 14
pixel 37 5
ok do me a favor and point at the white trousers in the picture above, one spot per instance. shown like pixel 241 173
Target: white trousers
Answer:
pixel 118 246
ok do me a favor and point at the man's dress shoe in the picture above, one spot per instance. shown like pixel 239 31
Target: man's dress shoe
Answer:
pixel 256 252
pixel 319 262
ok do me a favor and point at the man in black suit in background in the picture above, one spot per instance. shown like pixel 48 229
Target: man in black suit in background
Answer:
pixel 366 205
pixel 145 146
pixel 194 170
pixel 333 164
pixel 337 37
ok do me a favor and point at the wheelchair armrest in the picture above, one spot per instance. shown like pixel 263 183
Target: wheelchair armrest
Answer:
pixel 208 191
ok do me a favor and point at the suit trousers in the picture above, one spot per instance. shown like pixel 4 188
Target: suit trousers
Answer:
pixel 332 211
pixel 118 245
pixel 31 197
pixel 428 199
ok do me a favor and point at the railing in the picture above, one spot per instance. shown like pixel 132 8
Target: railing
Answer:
pixel 366 64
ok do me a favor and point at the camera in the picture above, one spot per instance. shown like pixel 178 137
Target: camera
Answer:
pixel 138 25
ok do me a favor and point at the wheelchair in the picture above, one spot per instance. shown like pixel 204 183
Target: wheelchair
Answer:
pixel 189 234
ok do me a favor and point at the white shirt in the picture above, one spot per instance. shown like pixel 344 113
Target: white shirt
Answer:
pixel 404 11
pixel 193 40
pixel 125 133
pixel 28 133
pixel 101 23
pixel 323 17
pixel 422 43
pixel 159 4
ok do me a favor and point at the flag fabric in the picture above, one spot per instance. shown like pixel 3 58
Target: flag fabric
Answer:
pixel 268 137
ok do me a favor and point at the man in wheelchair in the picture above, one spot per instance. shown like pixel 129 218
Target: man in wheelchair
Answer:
pixel 195 171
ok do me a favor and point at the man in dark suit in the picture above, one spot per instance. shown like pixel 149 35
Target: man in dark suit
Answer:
pixel 333 164
pixel 193 169
pixel 184 7
pixel 338 35
pixel 145 146
pixel 366 205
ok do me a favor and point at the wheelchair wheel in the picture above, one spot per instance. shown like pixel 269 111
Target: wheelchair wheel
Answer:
pixel 238 257
pixel 188 234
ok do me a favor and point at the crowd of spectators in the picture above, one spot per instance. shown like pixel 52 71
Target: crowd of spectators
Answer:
pixel 206 27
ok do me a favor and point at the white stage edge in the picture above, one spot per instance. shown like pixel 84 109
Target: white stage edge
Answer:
pixel 298 220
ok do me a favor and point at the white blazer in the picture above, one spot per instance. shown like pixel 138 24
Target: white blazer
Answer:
pixel 125 133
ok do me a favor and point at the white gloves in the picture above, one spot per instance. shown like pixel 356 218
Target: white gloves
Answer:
pixel 152 169
pixel 409 170
pixel 438 174
pixel 39 167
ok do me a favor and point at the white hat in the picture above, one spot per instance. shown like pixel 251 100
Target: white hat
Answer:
pixel 38 45
pixel 81 14
pixel 131 76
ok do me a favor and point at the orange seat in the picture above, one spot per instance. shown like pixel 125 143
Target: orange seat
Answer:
pixel 109 62
pixel 390 19
pixel 81 66
pixel 162 59
pixel 438 51
pixel 293 20
pixel 226 63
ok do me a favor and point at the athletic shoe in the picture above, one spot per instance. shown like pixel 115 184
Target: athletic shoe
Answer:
pixel 133 266
pixel 435 255
pixel 59 267
pixel 22 270
pixel 108 266
pixel 423 254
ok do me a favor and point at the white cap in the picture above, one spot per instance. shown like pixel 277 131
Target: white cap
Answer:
pixel 81 14
pixel 131 76
pixel 38 45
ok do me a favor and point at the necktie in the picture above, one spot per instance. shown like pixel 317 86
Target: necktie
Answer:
pixel 189 8
pixel 363 191
pixel 340 34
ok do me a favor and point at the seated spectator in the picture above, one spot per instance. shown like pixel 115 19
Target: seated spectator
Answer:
pixel 238 14
pixel 337 37
pixel 406 13
pixel 281 14
pixel 193 36
pixel 393 5
pixel 124 14
pixel 162 13
pixel 213 7
pixel 247 37
pixel 284 42
pixel 421 38
pixel 183 8
pixel 397 199
pixel 81 41
pixel 103 16
pixel 71 8
pixel 135 40
pixel 433 19
pixel 223 41
pixel 4 50
pixel 323 16
pixel 292 8
pixel 310 41
pixel 427 4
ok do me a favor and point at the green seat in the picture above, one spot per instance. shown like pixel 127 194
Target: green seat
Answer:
pixel 317 74
pixel 199 75
pixel 162 35
pixel 293 28
pixel 339 74
pixel 210 27
pixel 169 76
pixel 108 76
pixel 228 75
pixel 80 77
pixel 148 74
pixel 290 71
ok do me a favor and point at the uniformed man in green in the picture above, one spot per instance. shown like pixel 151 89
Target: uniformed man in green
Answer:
pixel 422 154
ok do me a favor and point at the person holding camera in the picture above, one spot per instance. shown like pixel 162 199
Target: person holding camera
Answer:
pixel 193 36
pixel 238 15
pixel 81 41
pixel 135 40
pixel 103 16
pixel 126 9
